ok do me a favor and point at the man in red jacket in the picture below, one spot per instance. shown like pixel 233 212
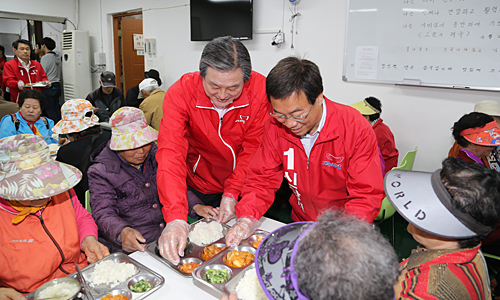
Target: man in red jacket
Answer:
pixel 212 125
pixel 22 71
pixel 326 151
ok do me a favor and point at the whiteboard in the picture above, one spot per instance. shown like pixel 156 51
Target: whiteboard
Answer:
pixel 437 43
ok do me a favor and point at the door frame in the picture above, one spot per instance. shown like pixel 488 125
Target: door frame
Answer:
pixel 117 46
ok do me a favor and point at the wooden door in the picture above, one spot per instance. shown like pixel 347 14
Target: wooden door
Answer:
pixel 128 65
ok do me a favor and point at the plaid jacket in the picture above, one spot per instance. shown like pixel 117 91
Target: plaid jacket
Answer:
pixel 459 274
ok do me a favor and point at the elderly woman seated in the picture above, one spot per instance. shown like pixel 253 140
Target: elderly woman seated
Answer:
pixel 44 230
pixel 122 184
pixel 449 212
pixel 478 134
pixel 27 119
pixel 81 126
pixel 338 257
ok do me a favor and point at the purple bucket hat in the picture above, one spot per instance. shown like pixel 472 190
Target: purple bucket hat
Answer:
pixel 27 171
pixel 274 262
pixel 129 129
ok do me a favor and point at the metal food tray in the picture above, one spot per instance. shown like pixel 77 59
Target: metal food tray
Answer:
pixel 102 290
pixel 192 251
pixel 217 262
pixel 37 85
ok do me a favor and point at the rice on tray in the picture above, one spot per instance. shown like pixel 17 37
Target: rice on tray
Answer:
pixel 206 233
pixel 111 273
pixel 249 287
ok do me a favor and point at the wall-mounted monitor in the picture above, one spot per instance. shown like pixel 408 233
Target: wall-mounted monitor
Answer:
pixel 214 18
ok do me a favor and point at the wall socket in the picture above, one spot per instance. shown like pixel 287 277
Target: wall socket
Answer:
pixel 99 58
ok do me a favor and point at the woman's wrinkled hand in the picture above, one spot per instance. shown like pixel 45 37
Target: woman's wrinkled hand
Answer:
pixel 206 211
pixel 94 250
pixel 132 240
pixel 232 296
pixel 10 294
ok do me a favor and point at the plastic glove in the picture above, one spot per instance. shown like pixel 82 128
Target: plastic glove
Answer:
pixel 20 85
pixel 132 240
pixel 243 229
pixel 173 240
pixel 10 294
pixel 226 211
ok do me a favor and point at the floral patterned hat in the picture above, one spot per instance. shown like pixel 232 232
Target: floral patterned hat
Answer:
pixel 129 129
pixel 77 115
pixel 27 171
pixel 488 135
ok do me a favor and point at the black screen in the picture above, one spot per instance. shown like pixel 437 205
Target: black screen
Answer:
pixel 214 18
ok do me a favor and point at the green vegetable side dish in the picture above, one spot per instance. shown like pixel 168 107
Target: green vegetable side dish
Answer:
pixel 141 286
pixel 216 276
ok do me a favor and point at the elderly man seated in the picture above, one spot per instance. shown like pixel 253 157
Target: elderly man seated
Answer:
pixel 449 212
pixel 152 104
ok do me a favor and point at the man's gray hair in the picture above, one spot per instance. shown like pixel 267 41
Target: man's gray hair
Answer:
pixel 151 88
pixel 226 54
pixel 345 258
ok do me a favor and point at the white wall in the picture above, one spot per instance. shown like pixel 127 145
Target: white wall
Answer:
pixel 14 26
pixel 417 116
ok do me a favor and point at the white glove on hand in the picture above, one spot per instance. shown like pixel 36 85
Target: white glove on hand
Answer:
pixel 243 229
pixel 226 211
pixel 173 240
pixel 20 85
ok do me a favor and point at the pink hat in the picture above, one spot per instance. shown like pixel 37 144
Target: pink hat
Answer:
pixel 77 115
pixel 129 129
pixel 27 172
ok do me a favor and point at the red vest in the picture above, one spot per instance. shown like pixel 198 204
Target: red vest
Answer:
pixel 28 256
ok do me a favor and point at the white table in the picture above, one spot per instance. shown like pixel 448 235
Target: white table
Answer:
pixel 178 287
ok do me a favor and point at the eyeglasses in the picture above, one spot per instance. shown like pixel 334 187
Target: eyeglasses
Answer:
pixel 283 118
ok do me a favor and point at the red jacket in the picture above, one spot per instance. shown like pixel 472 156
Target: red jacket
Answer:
pixel 342 171
pixel 194 144
pixel 387 145
pixel 13 71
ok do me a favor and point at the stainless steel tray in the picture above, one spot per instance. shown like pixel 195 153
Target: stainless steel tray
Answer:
pixel 123 288
pixel 192 251
pixel 142 273
pixel 217 262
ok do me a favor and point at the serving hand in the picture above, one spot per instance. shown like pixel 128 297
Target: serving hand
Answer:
pixel 173 240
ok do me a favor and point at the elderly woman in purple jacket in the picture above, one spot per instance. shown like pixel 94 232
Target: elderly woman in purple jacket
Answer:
pixel 122 184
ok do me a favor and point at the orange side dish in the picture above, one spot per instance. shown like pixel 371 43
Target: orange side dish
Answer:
pixel 256 243
pixel 115 297
pixel 238 259
pixel 211 251
pixel 188 267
